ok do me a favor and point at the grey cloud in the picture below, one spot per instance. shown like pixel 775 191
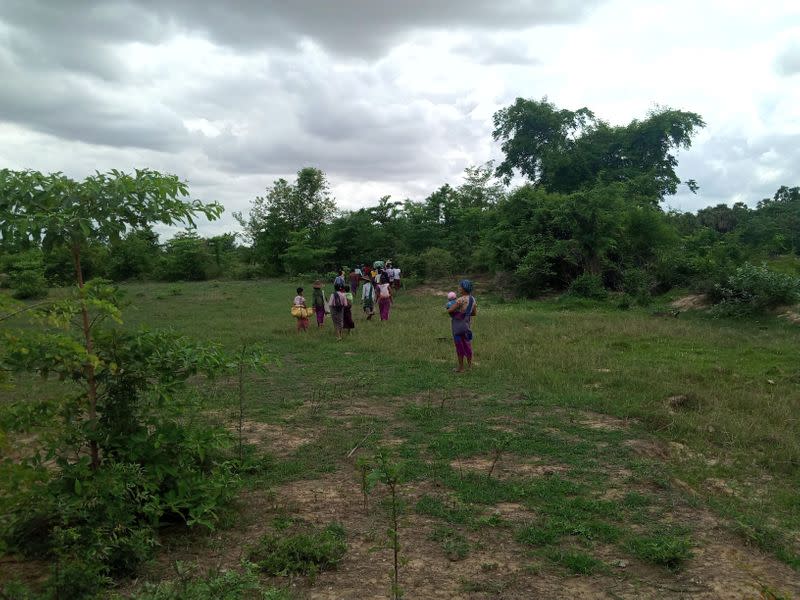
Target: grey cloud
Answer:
pixel 349 27
pixel 69 106
pixel 788 62
pixel 492 51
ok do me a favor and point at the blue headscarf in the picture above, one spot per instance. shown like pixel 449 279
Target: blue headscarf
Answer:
pixel 466 285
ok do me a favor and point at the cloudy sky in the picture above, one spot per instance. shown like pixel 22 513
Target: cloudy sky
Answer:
pixel 386 96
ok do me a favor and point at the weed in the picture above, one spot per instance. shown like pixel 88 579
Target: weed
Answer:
pixel 577 562
pixel 306 552
pixel 667 546
pixel 454 544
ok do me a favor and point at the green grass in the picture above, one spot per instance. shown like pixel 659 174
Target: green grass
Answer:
pixel 542 370
pixel 304 552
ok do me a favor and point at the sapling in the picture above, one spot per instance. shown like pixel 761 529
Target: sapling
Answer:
pixel 500 444
pixel 363 466
pixel 388 473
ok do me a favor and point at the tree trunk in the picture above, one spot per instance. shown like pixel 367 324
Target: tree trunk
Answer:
pixel 89 368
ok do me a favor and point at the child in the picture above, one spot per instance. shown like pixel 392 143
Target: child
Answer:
pixel 451 299
pixel 302 320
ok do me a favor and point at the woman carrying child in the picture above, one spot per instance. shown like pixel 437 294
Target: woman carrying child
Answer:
pixel 461 313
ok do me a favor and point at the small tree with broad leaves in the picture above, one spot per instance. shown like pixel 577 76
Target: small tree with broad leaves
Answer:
pixel 53 210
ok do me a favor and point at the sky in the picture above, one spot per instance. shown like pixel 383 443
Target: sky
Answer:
pixel 386 97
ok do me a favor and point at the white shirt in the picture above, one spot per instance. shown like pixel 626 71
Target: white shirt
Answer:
pixel 397 273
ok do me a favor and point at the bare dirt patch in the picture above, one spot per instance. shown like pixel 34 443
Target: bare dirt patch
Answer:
pixel 603 422
pixel 282 441
pixel 691 302
pixel 507 466
pixel 649 448
pixel 791 316
pixel 429 291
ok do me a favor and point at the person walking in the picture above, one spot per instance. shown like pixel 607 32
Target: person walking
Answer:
pixel 348 322
pixel 461 313
pixel 384 297
pixel 354 277
pixel 337 304
pixel 368 298
pixel 339 280
pixel 299 308
pixel 318 302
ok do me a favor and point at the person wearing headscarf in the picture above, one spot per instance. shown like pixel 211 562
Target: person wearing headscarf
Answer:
pixel 461 313
pixel 318 302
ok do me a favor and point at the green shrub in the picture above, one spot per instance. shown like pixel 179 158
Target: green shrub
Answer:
pixel 227 585
pixel 752 290
pixel 588 286
pixel 306 552
pixel 638 284
pixel 25 274
pixel 534 274
pixel 438 263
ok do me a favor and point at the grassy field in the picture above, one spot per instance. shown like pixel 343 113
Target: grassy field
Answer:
pixel 591 452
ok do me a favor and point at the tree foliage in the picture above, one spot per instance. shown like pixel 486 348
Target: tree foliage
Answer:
pixel 566 151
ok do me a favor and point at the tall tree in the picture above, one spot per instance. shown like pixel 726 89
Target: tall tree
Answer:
pixel 566 151
pixel 287 207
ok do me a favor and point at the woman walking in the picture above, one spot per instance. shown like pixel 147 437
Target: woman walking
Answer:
pixel 384 298
pixel 349 324
pixel 461 313
pixel 338 303
pixel 354 277
pixel 318 302
pixel 368 298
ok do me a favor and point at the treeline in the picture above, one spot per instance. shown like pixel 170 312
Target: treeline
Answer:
pixel 589 216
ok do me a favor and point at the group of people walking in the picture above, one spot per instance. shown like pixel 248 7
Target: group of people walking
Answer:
pixel 378 283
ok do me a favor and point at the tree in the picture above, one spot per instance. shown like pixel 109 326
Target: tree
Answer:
pixel 286 207
pixel 54 210
pixel 566 151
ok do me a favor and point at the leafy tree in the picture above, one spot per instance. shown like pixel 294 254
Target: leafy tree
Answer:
pixel 186 258
pixel 54 210
pixel 302 256
pixel 134 255
pixel 304 204
pixel 566 151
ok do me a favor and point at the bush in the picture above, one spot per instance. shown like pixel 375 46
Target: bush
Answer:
pixel 534 274
pixel 186 258
pixel 25 275
pixel 438 263
pixel 159 463
pixel 638 285
pixel 227 585
pixel 306 552
pixel 752 290
pixel 588 286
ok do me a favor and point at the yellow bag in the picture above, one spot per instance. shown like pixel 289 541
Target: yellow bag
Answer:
pixel 299 312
